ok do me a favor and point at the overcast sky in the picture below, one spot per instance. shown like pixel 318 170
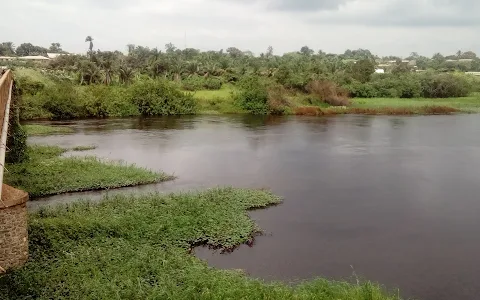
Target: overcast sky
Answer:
pixel 386 27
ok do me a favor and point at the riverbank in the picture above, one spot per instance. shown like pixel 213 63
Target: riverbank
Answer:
pixel 140 247
pixel 45 98
pixel 222 102
pixel 46 172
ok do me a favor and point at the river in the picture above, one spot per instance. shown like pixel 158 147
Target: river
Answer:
pixel 390 199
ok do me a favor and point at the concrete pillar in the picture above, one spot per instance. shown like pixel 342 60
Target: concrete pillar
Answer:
pixel 13 228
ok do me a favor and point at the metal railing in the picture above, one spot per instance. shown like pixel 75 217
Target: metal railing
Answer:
pixel 6 87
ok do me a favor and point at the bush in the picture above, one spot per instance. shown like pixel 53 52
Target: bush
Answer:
pixel 160 97
pixel 195 83
pixel 62 101
pixel 278 103
pixel 329 92
pixel 362 90
pixel 444 86
pixel 388 86
pixel 212 83
pixel 96 99
pixel 253 96
pixel 17 137
pixel 29 86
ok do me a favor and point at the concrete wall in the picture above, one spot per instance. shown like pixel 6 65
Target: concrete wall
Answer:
pixel 13 228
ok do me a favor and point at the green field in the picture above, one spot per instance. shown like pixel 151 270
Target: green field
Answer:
pixel 47 173
pixel 217 102
pixel 465 104
pixel 128 247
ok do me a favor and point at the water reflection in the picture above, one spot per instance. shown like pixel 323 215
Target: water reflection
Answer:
pixel 397 198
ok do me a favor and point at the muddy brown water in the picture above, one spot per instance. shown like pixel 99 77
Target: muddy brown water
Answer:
pixel 393 199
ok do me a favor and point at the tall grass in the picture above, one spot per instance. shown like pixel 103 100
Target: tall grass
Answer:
pixel 139 248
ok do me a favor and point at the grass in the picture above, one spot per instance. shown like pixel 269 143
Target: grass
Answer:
pixel 140 248
pixel 33 75
pixel 465 104
pixel 35 130
pixel 217 101
pixel 84 148
pixel 47 173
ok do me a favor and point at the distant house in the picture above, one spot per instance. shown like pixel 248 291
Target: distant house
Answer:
pixel 7 58
pixel 33 57
pixel 473 73
pixel 54 55
pixel 380 71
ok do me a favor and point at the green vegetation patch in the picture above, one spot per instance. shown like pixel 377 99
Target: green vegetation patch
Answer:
pixel 34 130
pixel 128 247
pixel 46 173
pixel 466 104
pixel 84 148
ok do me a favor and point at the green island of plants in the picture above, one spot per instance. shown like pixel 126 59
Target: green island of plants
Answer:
pixel 45 173
pixel 36 130
pixel 128 247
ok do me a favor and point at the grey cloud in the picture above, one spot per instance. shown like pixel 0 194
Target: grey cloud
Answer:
pixel 306 5
pixel 410 13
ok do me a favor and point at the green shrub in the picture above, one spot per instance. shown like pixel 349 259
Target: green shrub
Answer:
pixel 62 101
pixel 17 136
pixel 362 90
pixel 196 83
pixel 193 83
pixel 253 96
pixel 96 99
pixel 29 86
pixel 212 83
pixel 387 86
pixel 160 97
pixel 444 86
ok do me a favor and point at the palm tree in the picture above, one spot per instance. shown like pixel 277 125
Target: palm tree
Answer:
pixel 125 74
pixel 159 68
pixel 89 72
pixel 90 48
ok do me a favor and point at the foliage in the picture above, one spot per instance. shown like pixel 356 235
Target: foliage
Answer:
pixel 444 86
pixel 212 83
pixel 278 102
pixel 29 86
pixel 253 96
pixel 362 70
pixel 45 173
pixel 193 83
pixel 17 137
pixel 27 49
pixel 328 92
pixel 196 83
pixel 411 85
pixel 61 101
pixel 7 49
pixel 129 247
pixel 36 130
pixel 161 98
